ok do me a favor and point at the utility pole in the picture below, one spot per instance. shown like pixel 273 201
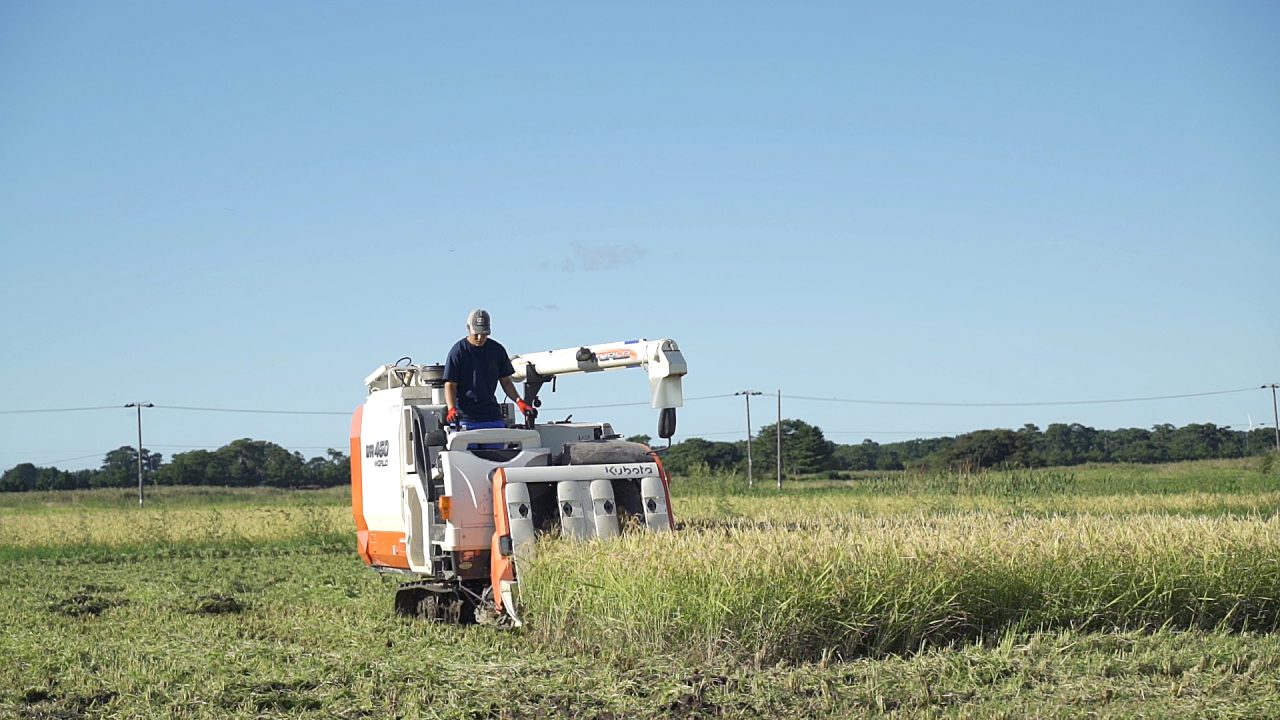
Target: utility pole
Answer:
pixel 1275 414
pixel 139 406
pixel 747 394
pixel 779 453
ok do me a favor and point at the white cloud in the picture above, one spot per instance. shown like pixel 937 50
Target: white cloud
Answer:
pixel 592 258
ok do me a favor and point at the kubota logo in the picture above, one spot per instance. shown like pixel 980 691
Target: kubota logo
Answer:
pixel 631 470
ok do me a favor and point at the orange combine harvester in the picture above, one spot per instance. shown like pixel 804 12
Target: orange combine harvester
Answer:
pixel 456 511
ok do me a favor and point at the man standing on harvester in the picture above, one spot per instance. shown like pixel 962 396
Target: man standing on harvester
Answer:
pixel 474 368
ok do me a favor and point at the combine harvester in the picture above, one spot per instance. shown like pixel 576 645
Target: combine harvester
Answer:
pixel 455 512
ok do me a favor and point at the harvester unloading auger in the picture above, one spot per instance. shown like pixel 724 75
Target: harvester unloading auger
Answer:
pixel 456 511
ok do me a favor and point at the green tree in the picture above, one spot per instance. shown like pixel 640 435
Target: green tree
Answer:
pixel 987 448
pixel 332 469
pixel 1072 444
pixel 695 452
pixel 188 468
pixel 242 462
pixel 283 468
pixel 1259 441
pixel 1028 450
pixel 1162 439
pixel 26 477
pixel 120 467
pixel 1133 445
pixel 856 457
pixel 804 449
pixel 19 478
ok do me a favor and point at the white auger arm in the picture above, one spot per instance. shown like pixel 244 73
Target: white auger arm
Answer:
pixel 662 359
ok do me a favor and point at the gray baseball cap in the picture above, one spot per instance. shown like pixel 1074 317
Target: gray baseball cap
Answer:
pixel 478 322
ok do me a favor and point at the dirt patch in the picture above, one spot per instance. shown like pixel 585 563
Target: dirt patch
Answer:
pixel 90 600
pixel 273 697
pixel 36 695
pixel 44 705
pixel 217 604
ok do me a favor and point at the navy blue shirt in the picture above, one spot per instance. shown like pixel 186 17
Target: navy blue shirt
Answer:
pixel 477 370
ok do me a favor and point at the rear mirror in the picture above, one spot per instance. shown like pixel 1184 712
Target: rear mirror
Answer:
pixel 667 423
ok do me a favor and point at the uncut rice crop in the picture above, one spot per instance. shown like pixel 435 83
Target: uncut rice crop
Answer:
pixel 876 585
pixel 123 528
pixel 791 509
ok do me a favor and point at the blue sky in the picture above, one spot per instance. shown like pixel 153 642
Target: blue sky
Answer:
pixel 252 205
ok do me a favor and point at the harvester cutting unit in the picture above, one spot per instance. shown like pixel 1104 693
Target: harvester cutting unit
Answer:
pixel 457 511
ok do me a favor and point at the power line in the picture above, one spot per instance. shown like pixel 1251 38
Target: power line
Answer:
pixel 80 457
pixel 914 433
pixel 1015 404
pixel 250 410
pixel 194 446
pixel 215 447
pixel 152 446
pixel 59 450
pixel 630 404
pixel 57 410
pixel 895 432
pixel 705 434
pixel 180 407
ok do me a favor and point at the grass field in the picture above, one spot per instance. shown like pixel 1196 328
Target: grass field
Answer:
pixel 1112 591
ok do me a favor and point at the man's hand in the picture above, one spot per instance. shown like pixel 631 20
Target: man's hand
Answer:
pixel 451 416
pixel 525 407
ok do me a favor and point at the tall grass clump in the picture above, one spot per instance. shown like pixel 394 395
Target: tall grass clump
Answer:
pixel 876 586
pixel 1269 464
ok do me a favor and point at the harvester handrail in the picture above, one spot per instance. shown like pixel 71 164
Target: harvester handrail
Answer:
pixel 526 438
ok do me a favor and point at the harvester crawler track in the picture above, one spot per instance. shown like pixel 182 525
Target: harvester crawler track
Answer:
pixel 436 602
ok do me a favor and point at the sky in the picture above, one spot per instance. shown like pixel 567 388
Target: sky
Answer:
pixel 911 219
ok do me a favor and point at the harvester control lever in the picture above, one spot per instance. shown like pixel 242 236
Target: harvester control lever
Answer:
pixel 528 410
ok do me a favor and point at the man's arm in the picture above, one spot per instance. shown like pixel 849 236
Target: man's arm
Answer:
pixel 452 373
pixel 507 386
pixel 510 389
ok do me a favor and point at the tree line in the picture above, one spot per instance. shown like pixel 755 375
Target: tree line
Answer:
pixel 805 451
pixel 242 463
